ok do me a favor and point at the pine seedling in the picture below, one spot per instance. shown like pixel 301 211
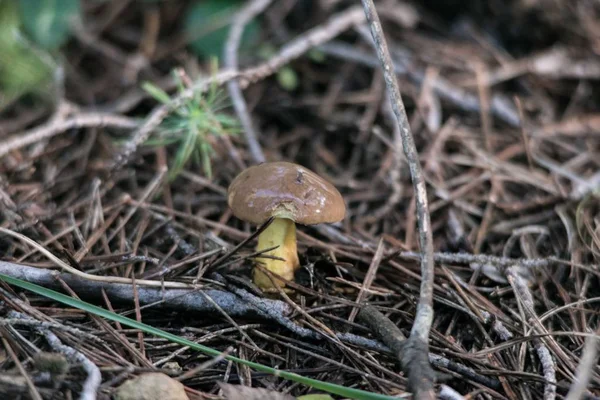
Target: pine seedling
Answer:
pixel 194 126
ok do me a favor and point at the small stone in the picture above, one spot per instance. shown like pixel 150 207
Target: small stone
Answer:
pixel 151 386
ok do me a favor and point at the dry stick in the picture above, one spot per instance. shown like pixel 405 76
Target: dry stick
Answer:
pixel 238 303
pixel 385 329
pixel 60 125
pixel 548 368
pixel 415 357
pixel 312 38
pixel 447 393
pixel 467 258
pixel 586 367
pixel 525 300
pixel 94 378
pixel 110 279
pixel 238 24
pixel 181 299
pixel 369 277
pixel 294 49
pixel 393 337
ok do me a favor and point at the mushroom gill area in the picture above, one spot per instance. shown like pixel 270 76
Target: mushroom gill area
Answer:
pixel 282 260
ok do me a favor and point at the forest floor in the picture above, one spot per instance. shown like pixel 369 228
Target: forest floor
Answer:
pixel 113 190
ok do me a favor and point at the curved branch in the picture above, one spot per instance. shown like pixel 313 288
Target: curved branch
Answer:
pixel 420 373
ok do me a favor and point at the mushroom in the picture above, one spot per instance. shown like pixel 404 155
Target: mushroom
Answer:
pixel 290 194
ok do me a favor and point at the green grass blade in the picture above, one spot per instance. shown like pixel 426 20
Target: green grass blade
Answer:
pixel 70 301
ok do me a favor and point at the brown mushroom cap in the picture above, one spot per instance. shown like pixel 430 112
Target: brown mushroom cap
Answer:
pixel 284 190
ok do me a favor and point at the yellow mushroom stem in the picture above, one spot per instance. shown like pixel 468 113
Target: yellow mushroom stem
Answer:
pixel 281 233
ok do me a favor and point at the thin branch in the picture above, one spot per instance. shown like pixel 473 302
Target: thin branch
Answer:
pixel 316 36
pixel 393 337
pixel 232 45
pixel 420 374
pixel 447 393
pixel 94 378
pixel 98 278
pixel 467 258
pixel 294 49
pixel 60 125
pixel 589 359
pixel 548 369
pixel 181 299
pixel 385 329
pixel 525 301
pixel 369 277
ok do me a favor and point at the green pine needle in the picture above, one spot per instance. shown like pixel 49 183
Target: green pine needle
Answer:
pixel 192 126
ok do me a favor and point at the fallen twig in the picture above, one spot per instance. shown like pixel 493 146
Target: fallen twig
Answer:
pixel 393 337
pixel 447 393
pixel 589 358
pixel 59 125
pixel 111 279
pixel 94 378
pixel 294 49
pixel 239 303
pixel 467 258
pixel 420 374
pixel 525 299
pixel 181 299
pixel 238 24
pixel 385 329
